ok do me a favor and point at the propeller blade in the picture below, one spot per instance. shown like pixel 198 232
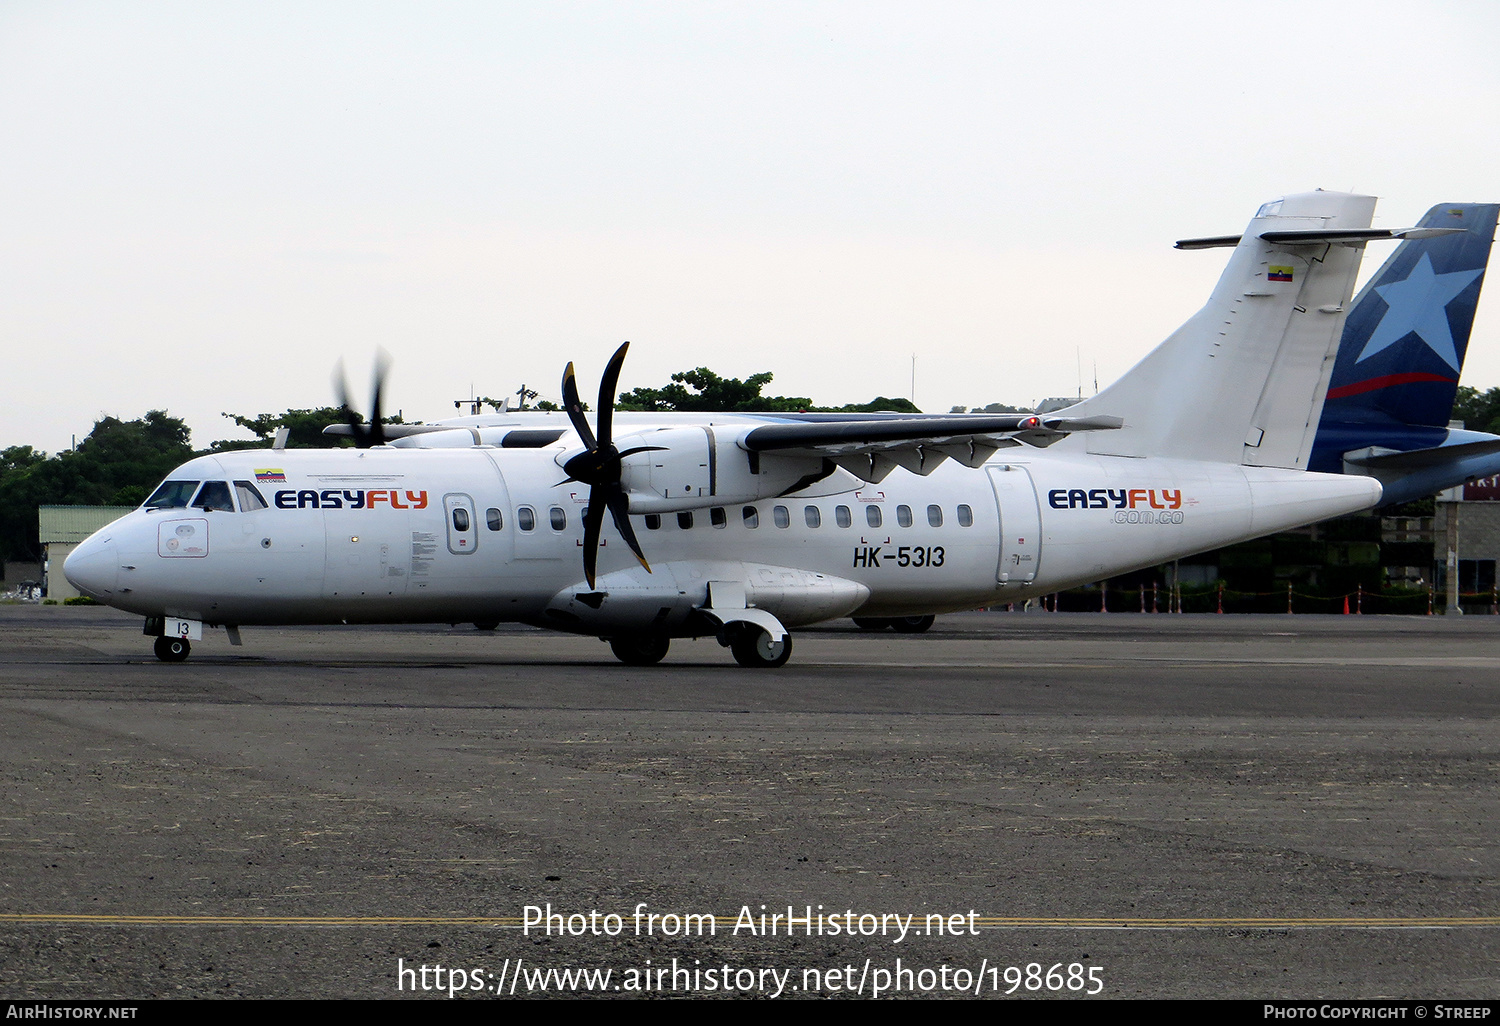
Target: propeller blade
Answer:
pixel 598 466
pixel 593 518
pixel 382 368
pixel 574 406
pixel 605 414
pixel 619 508
pixel 373 432
pixel 341 390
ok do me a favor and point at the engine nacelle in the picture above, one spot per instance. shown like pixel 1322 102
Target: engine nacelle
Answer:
pixel 697 467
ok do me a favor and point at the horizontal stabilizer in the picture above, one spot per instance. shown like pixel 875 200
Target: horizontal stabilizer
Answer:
pixel 1211 242
pixel 1322 236
pixel 1378 459
pixel 1318 237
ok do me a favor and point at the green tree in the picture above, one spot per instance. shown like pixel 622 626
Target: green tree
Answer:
pixel 116 465
pixel 711 394
pixel 880 404
pixel 19 457
pixel 991 408
pixel 306 429
pixel 1480 411
pixel 703 391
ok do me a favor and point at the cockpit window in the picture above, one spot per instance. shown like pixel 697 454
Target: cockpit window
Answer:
pixel 214 495
pixel 172 495
pixel 249 496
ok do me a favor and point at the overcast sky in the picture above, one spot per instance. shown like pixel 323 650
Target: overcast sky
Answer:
pixel 206 205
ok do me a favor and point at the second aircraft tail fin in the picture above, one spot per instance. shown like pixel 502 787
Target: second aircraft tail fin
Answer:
pixel 1403 348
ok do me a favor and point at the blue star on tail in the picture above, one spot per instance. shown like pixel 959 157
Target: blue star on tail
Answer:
pixel 1419 304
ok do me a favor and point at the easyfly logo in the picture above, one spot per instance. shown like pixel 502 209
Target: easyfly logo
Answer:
pixel 1115 498
pixel 361 498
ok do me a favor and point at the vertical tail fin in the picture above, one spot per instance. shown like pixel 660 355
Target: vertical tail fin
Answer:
pixel 1405 339
pixel 1243 380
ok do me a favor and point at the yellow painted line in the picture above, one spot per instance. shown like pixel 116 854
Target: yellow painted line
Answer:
pixel 726 923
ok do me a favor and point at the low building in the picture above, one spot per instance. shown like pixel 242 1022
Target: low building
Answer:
pixel 60 530
pixel 1467 533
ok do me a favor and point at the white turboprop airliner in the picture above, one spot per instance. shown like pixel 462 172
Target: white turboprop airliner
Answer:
pixel 741 526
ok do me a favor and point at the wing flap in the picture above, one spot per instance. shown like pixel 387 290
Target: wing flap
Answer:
pixel 871 449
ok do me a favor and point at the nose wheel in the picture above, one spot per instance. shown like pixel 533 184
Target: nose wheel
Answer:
pixel 172 650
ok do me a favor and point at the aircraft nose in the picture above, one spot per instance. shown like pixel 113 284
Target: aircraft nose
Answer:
pixel 93 566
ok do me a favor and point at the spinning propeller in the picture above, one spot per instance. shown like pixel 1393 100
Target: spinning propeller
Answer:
pixel 598 466
pixel 373 433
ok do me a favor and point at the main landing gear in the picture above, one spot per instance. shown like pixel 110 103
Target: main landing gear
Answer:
pixel 640 649
pixel 753 647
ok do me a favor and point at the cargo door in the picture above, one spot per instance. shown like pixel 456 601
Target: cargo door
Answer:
pixel 1020 524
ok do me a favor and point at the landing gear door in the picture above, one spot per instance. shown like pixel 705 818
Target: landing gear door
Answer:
pixel 463 526
pixel 1020 524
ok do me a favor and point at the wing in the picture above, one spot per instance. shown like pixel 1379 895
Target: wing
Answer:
pixel 871 447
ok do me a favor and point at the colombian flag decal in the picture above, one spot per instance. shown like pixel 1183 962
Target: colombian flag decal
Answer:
pixel 270 475
pixel 1274 273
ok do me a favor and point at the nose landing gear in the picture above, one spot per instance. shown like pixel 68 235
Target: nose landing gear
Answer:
pixel 173 635
pixel 172 650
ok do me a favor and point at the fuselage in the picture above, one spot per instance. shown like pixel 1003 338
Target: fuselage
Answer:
pixel 489 534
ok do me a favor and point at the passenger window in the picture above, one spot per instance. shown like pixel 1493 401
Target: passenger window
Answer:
pixel 214 496
pixel 903 516
pixel 653 521
pixel 249 496
pixel 492 519
pixel 559 518
pixel 751 515
pixel 842 516
pixel 172 495
pixel 717 518
pixel 872 516
pixel 935 516
pixel 685 520
pixel 526 518
pixel 813 516
pixel 460 520
pixel 965 516
pixel 783 516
